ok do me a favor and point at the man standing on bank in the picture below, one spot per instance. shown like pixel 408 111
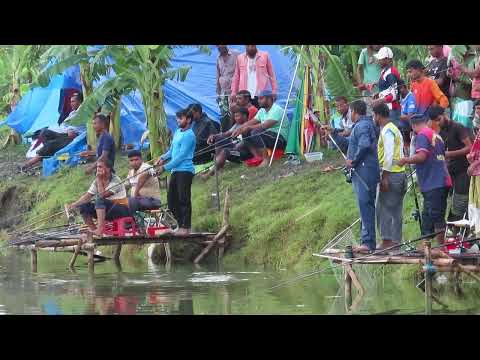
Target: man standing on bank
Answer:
pixel 178 160
pixel 254 72
pixel 393 184
pixel 227 58
pixel 362 157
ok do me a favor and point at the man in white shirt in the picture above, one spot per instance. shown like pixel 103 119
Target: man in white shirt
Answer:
pixel 145 189
pixel 110 199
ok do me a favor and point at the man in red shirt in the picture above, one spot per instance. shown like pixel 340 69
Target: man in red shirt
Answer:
pixel 425 90
pixel 387 85
pixel 244 100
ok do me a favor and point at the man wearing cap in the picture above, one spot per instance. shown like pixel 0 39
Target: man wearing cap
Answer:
pixel 145 189
pixel 458 142
pixel 432 175
pixel 261 132
pixel 387 85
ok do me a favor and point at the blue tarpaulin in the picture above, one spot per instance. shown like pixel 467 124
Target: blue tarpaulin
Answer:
pixel 39 107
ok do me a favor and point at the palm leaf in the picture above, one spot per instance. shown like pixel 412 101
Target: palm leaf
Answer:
pixel 335 76
pixel 43 79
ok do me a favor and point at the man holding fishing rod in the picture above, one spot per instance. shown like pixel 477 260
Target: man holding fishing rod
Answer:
pixel 110 199
pixel 178 160
pixel 362 158
pixel 225 147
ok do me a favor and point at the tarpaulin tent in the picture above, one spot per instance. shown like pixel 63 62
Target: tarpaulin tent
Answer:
pixel 39 107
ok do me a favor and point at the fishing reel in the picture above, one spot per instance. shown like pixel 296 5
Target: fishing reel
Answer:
pixel 415 214
pixel 348 174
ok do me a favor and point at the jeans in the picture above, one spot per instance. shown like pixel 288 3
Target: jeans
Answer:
pixel 112 211
pixel 390 207
pixel 461 185
pixel 261 139
pixel 341 141
pixel 179 197
pixel 434 208
pixel 366 205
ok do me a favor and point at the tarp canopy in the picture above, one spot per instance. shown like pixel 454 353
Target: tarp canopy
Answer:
pixel 40 106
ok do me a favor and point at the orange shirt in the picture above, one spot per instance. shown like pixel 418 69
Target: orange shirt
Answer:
pixel 426 93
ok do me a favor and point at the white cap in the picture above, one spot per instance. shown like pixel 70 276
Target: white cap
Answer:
pixel 384 53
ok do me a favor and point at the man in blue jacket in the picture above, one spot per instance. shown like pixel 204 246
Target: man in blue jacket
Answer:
pixel 178 160
pixel 362 157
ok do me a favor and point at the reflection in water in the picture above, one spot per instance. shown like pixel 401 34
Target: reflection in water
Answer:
pixel 147 288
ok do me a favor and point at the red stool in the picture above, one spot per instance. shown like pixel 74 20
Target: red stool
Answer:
pixel 124 226
pixel 255 161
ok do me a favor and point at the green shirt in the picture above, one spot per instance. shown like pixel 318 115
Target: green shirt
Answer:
pixel 371 71
pixel 275 113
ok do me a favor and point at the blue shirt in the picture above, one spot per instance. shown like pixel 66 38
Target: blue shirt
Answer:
pixel 432 173
pixel 181 152
pixel 409 106
pixel 106 143
pixel 362 149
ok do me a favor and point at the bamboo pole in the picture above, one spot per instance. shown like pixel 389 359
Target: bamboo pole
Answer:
pixel 286 105
pixel 428 279
pixel 33 260
pixel 91 262
pixel 348 289
pixel 116 254
pixel 71 265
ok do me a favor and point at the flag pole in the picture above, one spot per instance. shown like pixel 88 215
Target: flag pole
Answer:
pixel 286 104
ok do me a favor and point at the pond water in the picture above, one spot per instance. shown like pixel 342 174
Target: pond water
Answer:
pixel 140 287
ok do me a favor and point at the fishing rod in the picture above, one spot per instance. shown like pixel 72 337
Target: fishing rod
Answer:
pixel 416 213
pixel 348 172
pixel 36 222
pixel 352 261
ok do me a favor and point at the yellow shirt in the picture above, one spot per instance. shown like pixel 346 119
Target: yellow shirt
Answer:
pixel 390 148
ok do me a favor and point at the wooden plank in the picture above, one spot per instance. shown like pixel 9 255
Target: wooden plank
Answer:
pixel 71 265
pixel 207 248
pixel 194 237
pixel 33 259
pixel 428 279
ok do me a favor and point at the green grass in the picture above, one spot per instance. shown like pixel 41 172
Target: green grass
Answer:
pixel 264 209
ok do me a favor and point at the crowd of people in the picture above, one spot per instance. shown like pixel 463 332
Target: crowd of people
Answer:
pixel 250 124
pixel 398 128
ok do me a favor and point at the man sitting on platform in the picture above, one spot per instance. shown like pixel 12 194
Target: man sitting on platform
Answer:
pixel 110 199
pixel 261 132
pixel 145 189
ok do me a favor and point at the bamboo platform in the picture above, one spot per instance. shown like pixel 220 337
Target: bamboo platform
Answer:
pixel 87 243
pixel 430 262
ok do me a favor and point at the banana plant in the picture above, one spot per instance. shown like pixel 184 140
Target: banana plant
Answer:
pixel 145 68
pixel 93 63
pixel 18 65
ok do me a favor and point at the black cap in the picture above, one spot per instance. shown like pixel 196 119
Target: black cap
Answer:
pixel 133 153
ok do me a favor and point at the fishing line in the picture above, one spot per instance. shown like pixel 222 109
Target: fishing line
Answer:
pixel 354 260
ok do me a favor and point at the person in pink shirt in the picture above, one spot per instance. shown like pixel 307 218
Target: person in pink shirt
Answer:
pixel 474 75
pixel 253 72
